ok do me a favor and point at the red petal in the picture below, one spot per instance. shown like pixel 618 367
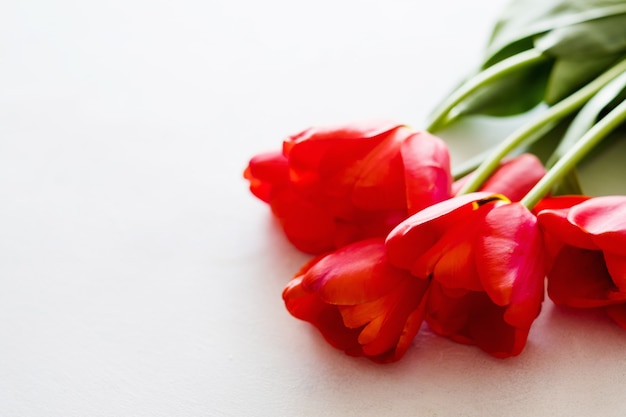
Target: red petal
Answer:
pixel 310 228
pixel 266 172
pixel 579 278
pixel 489 330
pixel 559 203
pixel 426 164
pixel 616 265
pixel 509 252
pixel 379 183
pixel 411 328
pixel 414 236
pixel 555 223
pixel 450 260
pixel 446 315
pixel 307 306
pixel 355 274
pixel 456 268
pixel 605 218
pixel 516 177
pixel 474 319
pixel 301 303
pixel 381 328
pixel 306 149
pixel 366 129
pixel 389 319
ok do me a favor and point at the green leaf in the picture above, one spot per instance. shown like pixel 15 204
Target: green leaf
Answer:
pixel 568 75
pixel 514 93
pixel 576 40
pixel 501 75
pixel 523 20
pixel 592 38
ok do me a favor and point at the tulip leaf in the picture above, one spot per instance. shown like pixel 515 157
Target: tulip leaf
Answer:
pixel 593 38
pixel 526 19
pixel 514 93
pixel 568 75
pixel 540 51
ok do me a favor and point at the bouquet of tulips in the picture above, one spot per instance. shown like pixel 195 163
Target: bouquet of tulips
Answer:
pixel 401 240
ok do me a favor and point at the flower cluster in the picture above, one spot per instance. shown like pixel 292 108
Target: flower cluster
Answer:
pixel 397 246
pixel 401 241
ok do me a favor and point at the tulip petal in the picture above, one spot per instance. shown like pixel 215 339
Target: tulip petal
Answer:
pixel 456 268
pixel 450 260
pixel 561 203
pixel 427 174
pixel 488 329
pixel 329 293
pixel 555 223
pixel 516 177
pixel 307 226
pixel 364 129
pixel 383 333
pixel 474 319
pixel 307 149
pixel 447 316
pixel 379 184
pixel 509 252
pixel 414 236
pixel 579 278
pixel 305 305
pixel 355 274
pixel 605 218
pixel 410 330
pixel 558 207
pixel 266 172
pixel 616 265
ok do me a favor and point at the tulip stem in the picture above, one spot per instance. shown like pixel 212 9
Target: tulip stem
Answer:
pixel 577 152
pixel 484 77
pixel 553 114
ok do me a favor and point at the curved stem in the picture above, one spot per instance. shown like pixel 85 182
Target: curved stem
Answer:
pixel 587 116
pixel 553 114
pixel 577 152
pixel 484 77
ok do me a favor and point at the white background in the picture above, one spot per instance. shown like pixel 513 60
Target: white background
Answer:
pixel 138 276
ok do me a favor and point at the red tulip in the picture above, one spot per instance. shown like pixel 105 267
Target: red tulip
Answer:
pixel 359 302
pixel 333 186
pixel 514 178
pixel 484 258
pixel 588 252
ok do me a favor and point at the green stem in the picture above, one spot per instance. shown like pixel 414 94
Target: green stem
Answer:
pixel 577 152
pixel 484 77
pixel 553 114
pixel 587 116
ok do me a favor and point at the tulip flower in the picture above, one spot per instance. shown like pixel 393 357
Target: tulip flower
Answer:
pixel 360 303
pixel 483 257
pixel 514 178
pixel 588 252
pixel 333 186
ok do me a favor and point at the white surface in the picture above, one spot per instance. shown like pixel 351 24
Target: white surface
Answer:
pixel 138 277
